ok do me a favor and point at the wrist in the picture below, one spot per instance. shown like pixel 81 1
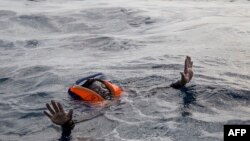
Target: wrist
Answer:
pixel 182 82
pixel 178 84
pixel 69 125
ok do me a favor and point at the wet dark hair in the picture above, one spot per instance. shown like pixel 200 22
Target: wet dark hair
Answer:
pixel 89 82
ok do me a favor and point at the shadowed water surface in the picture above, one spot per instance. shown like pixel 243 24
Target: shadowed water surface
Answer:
pixel 141 45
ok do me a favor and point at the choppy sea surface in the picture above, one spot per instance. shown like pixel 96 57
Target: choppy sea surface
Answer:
pixel 45 45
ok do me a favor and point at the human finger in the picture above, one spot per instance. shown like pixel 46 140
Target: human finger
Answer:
pixel 50 109
pixel 70 113
pixel 47 114
pixel 189 61
pixel 186 61
pixel 54 106
pixel 60 107
pixel 182 75
pixel 186 65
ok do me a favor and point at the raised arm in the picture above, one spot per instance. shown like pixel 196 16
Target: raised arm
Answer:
pixel 59 117
pixel 186 76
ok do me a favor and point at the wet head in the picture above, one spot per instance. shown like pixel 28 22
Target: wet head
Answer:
pixel 101 89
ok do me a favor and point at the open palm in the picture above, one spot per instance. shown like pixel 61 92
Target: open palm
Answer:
pixel 57 114
pixel 187 75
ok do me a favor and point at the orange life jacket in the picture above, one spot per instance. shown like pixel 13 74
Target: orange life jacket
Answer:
pixel 91 96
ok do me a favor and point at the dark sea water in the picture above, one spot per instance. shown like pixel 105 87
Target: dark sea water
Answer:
pixel 45 45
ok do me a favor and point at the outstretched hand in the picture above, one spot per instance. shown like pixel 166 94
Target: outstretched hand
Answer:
pixel 57 114
pixel 187 75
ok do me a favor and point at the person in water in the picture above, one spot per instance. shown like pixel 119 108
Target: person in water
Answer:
pixel 95 89
pixel 105 92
